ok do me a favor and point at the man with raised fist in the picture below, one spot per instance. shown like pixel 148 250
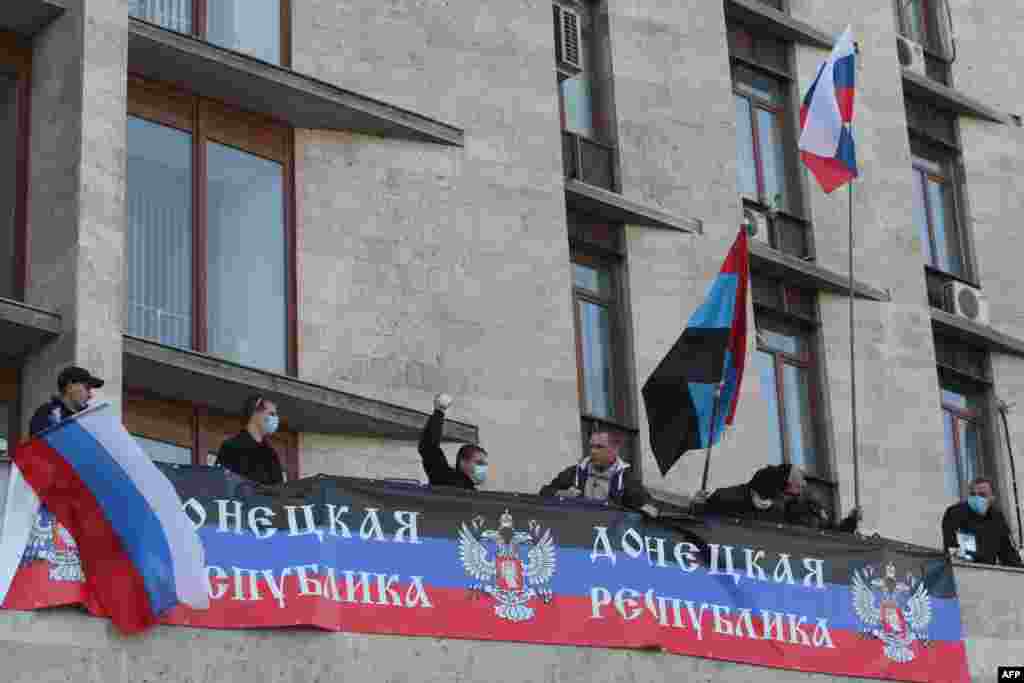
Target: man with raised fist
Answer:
pixel 470 468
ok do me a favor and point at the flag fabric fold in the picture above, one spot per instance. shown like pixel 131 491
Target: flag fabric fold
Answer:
pixel 140 553
pixel 826 137
pixel 680 394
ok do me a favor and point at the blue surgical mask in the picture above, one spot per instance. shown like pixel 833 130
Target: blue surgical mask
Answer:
pixel 270 423
pixel 479 473
pixel 979 504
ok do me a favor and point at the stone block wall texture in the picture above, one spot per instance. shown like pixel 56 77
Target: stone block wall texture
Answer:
pixel 426 268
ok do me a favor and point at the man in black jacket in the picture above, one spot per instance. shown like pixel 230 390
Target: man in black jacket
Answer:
pixel 75 385
pixel 976 530
pixel 470 468
pixel 249 454
pixel 776 494
pixel 603 476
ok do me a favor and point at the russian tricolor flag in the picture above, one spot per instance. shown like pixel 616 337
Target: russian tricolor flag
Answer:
pixel 826 139
pixel 140 553
pixel 711 353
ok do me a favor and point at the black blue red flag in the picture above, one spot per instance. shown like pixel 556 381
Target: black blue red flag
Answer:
pixel 680 393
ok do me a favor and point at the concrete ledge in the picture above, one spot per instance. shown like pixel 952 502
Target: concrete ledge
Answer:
pixel 183 375
pixel 960 564
pixel 29 17
pixel 979 335
pixel 947 98
pixel 615 208
pixel 24 328
pixel 779 24
pixel 257 86
pixel 808 273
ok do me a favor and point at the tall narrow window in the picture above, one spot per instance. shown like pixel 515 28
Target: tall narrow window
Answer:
pixel 605 390
pixel 785 365
pixel 759 122
pixel 209 239
pixel 586 128
pixel 15 96
pixel 937 189
pixel 259 28
pixel 964 385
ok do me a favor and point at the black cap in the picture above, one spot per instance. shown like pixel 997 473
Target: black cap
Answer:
pixel 74 374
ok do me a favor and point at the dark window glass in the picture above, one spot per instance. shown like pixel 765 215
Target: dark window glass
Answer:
pixel 159 188
pixel 963 358
pixel 8 183
pixel 925 118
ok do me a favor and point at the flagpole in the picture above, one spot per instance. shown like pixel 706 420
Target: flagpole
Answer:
pixel 711 438
pixel 853 374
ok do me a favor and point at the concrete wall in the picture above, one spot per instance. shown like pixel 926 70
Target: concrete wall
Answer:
pixel 76 194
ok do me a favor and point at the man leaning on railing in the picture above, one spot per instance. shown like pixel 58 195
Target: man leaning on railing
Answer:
pixel 976 531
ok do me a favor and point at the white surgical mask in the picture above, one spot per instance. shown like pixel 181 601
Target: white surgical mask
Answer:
pixel 479 473
pixel 270 423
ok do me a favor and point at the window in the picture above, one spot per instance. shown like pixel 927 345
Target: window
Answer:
pixel 762 81
pixel 964 387
pixel 209 229
pixel 588 154
pixel 260 28
pixel 174 431
pixel 785 363
pixel 15 89
pixel 937 196
pixel 605 391
pixel 924 22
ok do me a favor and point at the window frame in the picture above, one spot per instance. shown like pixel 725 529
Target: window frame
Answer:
pixel 932 36
pixel 16 55
pixel 795 207
pixel 610 255
pixel 925 151
pixel 199 12
pixel 206 121
pixel 977 391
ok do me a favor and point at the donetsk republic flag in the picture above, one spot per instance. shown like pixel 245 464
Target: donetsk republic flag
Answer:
pixel 680 393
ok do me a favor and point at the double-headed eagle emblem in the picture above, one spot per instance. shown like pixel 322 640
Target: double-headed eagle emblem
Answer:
pixel 51 542
pixel 896 612
pixel 510 581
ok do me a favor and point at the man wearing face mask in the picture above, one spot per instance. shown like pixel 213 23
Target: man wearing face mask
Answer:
pixel 249 453
pixel 975 530
pixel 776 494
pixel 470 468
pixel 75 386
pixel 604 477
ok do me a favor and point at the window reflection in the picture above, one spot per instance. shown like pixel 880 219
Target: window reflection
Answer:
pixel 246 258
pixel 747 166
pixel 765 364
pixel 175 15
pixel 796 392
pixel 249 26
pixel 596 280
pixel 595 332
pixel 771 158
pixel 161 451
pixel 159 188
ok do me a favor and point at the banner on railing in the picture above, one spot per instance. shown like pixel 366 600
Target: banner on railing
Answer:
pixel 370 557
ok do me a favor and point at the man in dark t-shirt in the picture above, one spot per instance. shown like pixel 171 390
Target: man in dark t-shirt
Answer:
pixel 249 453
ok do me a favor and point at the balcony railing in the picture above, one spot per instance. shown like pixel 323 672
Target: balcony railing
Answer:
pixel 588 161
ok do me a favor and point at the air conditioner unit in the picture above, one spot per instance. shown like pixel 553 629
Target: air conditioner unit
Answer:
pixel 569 43
pixel 911 54
pixel 757 225
pixel 967 302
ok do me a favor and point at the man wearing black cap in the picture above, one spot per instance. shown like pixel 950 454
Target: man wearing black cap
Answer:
pixel 249 453
pixel 75 385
